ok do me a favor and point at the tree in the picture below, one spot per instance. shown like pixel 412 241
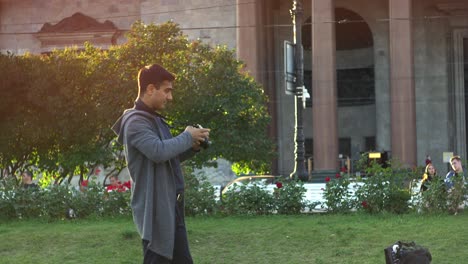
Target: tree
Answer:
pixel 57 110
pixel 210 89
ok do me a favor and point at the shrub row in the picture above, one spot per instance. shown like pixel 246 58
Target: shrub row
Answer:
pixel 386 189
pixel 64 201
pixel 60 202
pixel 201 199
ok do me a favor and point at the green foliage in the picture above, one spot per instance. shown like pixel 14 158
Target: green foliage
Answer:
pixel 384 190
pixel 8 185
pixel 256 199
pixel 438 198
pixel 74 96
pixel 252 199
pixel 457 194
pixel 337 195
pixel 56 201
pixel 210 90
pixel 434 199
pixel 116 204
pixel 17 123
pixel 200 196
pixel 19 203
pixel 61 201
pixel 61 93
pixel 289 199
pixel 26 205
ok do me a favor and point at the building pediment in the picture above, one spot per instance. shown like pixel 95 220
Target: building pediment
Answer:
pixel 75 31
pixel 78 23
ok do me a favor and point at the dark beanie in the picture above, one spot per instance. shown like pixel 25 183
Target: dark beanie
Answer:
pixel 153 74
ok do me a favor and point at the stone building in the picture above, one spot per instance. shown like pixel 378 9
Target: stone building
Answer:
pixel 384 75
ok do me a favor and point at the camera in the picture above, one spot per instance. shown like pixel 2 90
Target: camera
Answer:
pixel 206 143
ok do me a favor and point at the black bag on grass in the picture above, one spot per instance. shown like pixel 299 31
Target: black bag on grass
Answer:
pixel 407 253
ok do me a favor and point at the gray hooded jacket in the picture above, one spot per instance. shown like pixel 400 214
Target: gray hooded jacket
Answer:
pixel 148 154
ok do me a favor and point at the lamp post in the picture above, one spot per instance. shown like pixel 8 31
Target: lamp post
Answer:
pixel 297 16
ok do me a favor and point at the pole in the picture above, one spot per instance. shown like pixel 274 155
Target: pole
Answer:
pixel 297 16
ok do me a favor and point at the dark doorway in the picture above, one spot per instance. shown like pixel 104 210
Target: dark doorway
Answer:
pixel 344 146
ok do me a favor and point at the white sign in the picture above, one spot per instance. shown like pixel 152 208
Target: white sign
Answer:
pixel 446 156
pixel 289 69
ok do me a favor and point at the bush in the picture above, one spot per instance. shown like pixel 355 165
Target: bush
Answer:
pixel 26 203
pixel 456 195
pixel 7 205
pixel 337 195
pixel 8 188
pixel 199 196
pixel 434 199
pixel 289 197
pixel 248 199
pixel 55 202
pixel 384 190
pixel 116 203
pixel 97 202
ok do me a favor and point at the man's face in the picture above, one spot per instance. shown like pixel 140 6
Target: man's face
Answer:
pixel 25 178
pixel 456 165
pixel 161 96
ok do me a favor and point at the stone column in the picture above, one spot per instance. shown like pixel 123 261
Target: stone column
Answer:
pixel 324 92
pixel 247 35
pixel 402 91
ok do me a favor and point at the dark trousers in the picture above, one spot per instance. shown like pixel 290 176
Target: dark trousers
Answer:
pixel 181 253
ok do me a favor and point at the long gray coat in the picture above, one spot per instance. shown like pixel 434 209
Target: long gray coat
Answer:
pixel 153 189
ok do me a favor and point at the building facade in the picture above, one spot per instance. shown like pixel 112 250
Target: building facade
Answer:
pixel 384 75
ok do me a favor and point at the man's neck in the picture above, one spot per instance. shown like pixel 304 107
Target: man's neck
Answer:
pixel 141 105
pixel 146 103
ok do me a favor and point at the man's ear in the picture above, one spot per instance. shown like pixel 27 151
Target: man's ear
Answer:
pixel 150 89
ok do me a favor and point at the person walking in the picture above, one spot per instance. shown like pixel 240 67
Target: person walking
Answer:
pixel 153 158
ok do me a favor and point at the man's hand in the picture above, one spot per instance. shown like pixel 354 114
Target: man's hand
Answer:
pixel 198 136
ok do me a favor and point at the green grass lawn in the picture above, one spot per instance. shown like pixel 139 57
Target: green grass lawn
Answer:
pixel 318 238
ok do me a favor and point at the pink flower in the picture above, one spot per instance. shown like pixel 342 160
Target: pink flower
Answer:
pixel 343 169
pixel 327 179
pixel 84 183
pixel 97 171
pixel 127 184
pixel 364 204
pixel 337 175
pixel 119 187
pixel 111 188
pixel 279 185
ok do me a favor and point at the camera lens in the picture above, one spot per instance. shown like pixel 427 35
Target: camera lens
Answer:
pixel 205 144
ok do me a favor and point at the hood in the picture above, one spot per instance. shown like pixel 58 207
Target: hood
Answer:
pixel 119 125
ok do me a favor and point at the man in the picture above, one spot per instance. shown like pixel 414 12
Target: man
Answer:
pixel 153 159
pixel 27 180
pixel 457 171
